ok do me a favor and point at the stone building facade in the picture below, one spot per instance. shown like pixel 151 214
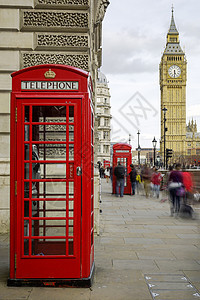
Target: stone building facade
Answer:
pixel 103 115
pixel 173 76
pixel 34 32
pixel 183 139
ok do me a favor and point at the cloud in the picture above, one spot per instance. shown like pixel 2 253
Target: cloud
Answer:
pixel 129 52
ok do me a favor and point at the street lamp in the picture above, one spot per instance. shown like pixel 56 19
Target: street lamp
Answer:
pixel 154 142
pixel 129 139
pixel 139 149
pixel 138 133
pixel 165 129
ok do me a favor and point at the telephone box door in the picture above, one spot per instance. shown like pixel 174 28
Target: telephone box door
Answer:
pixel 48 222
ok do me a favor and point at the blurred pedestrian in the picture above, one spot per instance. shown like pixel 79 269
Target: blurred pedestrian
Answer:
pixel 119 172
pixel 133 175
pixel 175 186
pixel 188 183
pixel 146 177
pixel 101 171
pixel 107 174
pixel 156 180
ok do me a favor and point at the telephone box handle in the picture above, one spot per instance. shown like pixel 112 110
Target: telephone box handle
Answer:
pixel 78 171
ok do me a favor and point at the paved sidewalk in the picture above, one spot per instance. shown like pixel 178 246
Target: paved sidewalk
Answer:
pixel 142 253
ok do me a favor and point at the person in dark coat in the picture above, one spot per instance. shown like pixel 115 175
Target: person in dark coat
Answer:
pixel 119 172
pixel 133 175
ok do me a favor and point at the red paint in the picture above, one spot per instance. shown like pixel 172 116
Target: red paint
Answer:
pixel 122 152
pixel 47 217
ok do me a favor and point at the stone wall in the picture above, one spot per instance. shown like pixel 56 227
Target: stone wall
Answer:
pixel 36 32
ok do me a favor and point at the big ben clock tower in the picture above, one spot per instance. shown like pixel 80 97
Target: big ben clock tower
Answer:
pixel 173 94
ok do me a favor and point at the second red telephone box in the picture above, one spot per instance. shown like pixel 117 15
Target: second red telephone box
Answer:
pixel 122 153
pixel 51 202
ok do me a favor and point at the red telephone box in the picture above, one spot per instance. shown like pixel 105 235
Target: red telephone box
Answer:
pixel 106 164
pixel 51 203
pixel 122 153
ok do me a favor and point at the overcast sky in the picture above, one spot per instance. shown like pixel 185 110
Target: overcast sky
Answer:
pixel 134 38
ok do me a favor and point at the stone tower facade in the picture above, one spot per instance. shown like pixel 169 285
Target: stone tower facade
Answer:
pixel 173 76
pixel 103 114
pixel 34 32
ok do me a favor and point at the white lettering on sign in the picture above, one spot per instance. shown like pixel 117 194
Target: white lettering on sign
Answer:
pixel 124 151
pixel 49 85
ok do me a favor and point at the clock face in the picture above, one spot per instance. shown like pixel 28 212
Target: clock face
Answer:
pixel 174 71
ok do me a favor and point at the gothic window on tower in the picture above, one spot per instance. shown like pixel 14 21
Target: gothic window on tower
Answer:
pixel 197 151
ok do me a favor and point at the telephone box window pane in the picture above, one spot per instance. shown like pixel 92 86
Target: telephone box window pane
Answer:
pixel 52 151
pixel 70 246
pixel 26 171
pixel 52 171
pixel 71 214
pixel 51 208
pixel 49 133
pixel 26 209
pixel 49 228
pixel 49 114
pixel 52 213
pixel 52 189
pixel 35 211
pixel 71 133
pixel 71 227
pixel 26 189
pixel 71 114
pixel 26 132
pixel 71 189
pixel 26 227
pixel 26 152
pixel 27 109
pixel 52 205
pixel 71 152
pixel 26 247
pixel 71 205
pixel 43 247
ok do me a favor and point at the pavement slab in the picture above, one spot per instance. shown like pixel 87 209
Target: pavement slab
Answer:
pixel 137 237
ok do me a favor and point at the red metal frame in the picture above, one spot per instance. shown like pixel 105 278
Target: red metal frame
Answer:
pixel 30 265
pixel 106 164
pixel 122 152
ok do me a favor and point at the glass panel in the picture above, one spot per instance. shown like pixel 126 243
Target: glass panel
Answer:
pixel 26 132
pixel 52 151
pixel 71 228
pixel 52 189
pixel 52 213
pixel 53 171
pixel 71 133
pixel 26 112
pixel 49 227
pixel 41 247
pixel 49 133
pixel 26 209
pixel 71 214
pixel 49 114
pixel 26 152
pixel 71 205
pixel 70 246
pixel 26 189
pixel 26 171
pixel 71 152
pixel 26 247
pixel 26 227
pixel 71 189
pixel 71 114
